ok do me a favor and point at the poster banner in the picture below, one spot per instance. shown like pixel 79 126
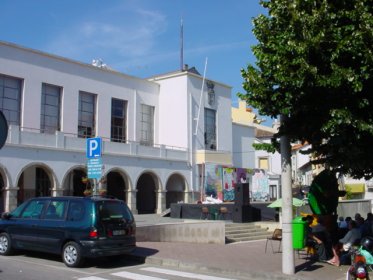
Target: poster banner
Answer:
pixel 260 186
pixel 229 183
pixel 244 175
pixel 213 181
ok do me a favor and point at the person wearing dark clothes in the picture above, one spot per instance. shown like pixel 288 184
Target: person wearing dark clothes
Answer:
pixel 317 237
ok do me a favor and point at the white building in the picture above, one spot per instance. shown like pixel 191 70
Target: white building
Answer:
pixel 156 133
pixel 247 131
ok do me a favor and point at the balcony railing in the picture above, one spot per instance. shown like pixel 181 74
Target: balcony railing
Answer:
pixel 71 142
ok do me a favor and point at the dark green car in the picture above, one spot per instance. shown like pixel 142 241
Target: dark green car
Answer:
pixel 75 227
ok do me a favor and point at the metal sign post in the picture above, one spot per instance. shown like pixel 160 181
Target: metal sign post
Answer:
pixel 94 160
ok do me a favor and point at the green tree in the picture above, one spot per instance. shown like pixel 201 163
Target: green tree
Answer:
pixel 315 66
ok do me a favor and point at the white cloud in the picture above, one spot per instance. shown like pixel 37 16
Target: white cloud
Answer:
pixel 116 33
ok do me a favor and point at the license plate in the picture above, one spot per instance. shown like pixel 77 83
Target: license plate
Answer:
pixel 119 232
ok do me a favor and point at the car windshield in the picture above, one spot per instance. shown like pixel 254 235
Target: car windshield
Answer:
pixel 113 210
pixel 17 212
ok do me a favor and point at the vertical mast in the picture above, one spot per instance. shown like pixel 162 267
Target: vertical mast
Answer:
pixel 181 45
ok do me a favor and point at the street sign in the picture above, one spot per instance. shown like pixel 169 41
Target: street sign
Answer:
pixel 94 167
pixel 94 147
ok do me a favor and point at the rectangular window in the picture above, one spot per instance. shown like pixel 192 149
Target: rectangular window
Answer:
pixel 34 209
pixel 50 108
pixel 10 98
pixel 210 129
pixel 87 109
pixel 147 125
pixel 264 163
pixel 118 120
pixel 56 210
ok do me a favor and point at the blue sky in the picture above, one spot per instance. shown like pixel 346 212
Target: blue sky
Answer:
pixel 139 37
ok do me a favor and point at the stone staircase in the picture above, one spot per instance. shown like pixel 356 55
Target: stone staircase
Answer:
pixel 237 232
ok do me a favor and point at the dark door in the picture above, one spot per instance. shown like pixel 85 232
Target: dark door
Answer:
pixel 52 226
pixel 24 229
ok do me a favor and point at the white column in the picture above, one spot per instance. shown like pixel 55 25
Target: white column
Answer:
pixel 161 201
pixel 131 200
pixel 287 206
pixel 10 195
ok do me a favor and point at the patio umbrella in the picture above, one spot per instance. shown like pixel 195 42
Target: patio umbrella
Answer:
pixel 278 203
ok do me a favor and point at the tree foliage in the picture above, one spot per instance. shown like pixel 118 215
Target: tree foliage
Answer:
pixel 315 66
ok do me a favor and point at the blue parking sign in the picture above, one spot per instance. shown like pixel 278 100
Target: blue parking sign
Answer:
pixel 94 147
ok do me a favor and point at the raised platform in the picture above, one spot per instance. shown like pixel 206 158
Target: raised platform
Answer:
pixel 155 228
pixel 245 213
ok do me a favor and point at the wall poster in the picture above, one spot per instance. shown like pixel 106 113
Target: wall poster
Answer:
pixel 229 183
pixel 213 181
pixel 260 186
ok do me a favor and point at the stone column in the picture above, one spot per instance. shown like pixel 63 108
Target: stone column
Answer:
pixel 188 197
pixel 131 200
pixel 161 201
pixel 57 191
pixel 10 195
pixel 191 196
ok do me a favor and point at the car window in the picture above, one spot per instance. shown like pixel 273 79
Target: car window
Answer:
pixel 17 212
pixel 33 210
pixel 76 211
pixel 111 210
pixel 56 210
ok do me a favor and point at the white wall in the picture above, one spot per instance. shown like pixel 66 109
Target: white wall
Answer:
pixel 36 68
pixel 177 90
pixel 274 159
pixel 173 111
pixel 243 151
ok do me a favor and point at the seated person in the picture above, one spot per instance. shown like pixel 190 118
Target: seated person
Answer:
pixel 317 238
pixel 345 243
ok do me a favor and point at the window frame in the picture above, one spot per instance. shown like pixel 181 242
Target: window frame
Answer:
pixel 210 129
pixel 87 128
pixel 118 133
pixel 268 164
pixel 12 115
pixel 147 125
pixel 45 93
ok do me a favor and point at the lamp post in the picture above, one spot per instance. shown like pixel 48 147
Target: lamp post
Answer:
pixel 287 205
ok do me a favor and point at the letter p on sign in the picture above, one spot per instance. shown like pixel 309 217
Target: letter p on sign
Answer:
pixel 94 147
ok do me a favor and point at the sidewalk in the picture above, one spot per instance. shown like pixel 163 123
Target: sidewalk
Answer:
pixel 245 259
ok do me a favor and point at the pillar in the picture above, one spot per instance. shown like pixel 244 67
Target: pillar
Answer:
pixel 161 201
pixel 131 200
pixel 10 195
pixel 57 191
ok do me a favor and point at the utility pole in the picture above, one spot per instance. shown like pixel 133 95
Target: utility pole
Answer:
pixel 288 266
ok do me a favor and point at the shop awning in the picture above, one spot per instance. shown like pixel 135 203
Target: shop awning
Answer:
pixel 355 188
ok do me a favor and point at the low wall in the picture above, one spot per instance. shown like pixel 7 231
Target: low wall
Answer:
pixel 189 232
pixel 347 208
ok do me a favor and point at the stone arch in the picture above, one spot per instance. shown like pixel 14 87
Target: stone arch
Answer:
pixel 117 182
pixel 147 186
pixel 73 183
pixel 8 180
pixel 6 185
pixel 175 187
pixel 35 179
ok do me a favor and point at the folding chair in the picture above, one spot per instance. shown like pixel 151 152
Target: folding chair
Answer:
pixel 276 236
pixel 223 212
pixel 205 213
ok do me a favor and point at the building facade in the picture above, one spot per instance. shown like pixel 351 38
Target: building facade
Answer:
pixel 156 133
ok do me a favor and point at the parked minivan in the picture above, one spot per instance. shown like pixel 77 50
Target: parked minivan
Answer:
pixel 75 227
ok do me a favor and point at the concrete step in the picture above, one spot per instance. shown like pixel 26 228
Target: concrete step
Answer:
pixel 245 232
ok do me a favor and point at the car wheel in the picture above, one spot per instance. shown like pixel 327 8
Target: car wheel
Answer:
pixel 5 244
pixel 71 254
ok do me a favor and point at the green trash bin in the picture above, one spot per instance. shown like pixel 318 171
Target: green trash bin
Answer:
pixel 299 233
